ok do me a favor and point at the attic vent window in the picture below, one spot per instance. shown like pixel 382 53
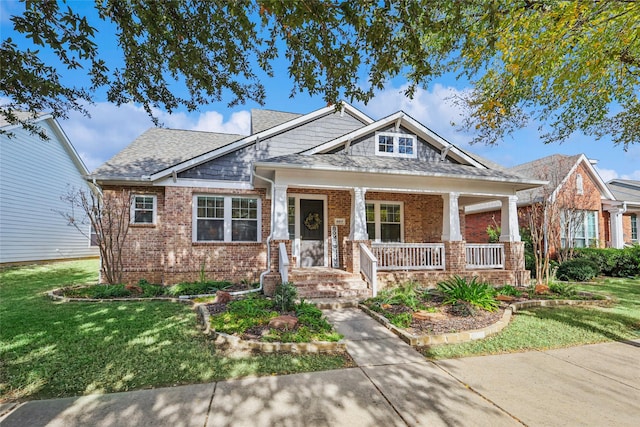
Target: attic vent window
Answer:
pixel 579 184
pixel 396 144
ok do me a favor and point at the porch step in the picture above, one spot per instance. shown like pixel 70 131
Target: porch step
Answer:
pixel 328 283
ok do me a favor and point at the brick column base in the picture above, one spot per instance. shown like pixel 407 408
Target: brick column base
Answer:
pixel 455 256
pixel 513 255
pixel 275 257
pixel 352 254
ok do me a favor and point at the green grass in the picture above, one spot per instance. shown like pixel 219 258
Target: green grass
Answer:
pixel 51 349
pixel 547 328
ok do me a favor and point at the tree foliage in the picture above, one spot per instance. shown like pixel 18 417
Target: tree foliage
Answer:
pixel 573 65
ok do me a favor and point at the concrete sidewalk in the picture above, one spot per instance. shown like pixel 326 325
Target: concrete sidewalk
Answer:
pixel 393 385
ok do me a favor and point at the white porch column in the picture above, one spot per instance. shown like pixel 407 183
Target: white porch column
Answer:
pixel 451 218
pixel 279 222
pixel 358 215
pixel 617 236
pixel 510 230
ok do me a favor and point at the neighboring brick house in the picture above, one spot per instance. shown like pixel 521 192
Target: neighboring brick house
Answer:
pixel 624 211
pixel 573 182
pixel 322 191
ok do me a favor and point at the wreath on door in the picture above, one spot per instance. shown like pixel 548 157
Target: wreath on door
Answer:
pixel 312 222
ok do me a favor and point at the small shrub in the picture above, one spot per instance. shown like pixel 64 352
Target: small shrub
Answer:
pixel 508 290
pixel 109 291
pixel 577 269
pixel 196 288
pixel 613 262
pixel 401 320
pixel 479 294
pixel 285 296
pixel 563 289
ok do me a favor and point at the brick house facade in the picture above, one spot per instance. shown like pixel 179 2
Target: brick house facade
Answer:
pixel 313 188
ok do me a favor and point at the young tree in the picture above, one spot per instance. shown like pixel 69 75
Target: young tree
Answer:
pixel 574 65
pixel 108 216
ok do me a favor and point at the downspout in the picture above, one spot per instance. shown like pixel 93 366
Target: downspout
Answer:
pixel 269 238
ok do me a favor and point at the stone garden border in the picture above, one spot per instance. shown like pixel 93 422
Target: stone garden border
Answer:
pixel 237 343
pixel 475 334
pixel 223 340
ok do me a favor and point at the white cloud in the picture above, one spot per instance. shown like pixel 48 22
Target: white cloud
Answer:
pixel 607 174
pixel 434 108
pixel 635 175
pixel 111 128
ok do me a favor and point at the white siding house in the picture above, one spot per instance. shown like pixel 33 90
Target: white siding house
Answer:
pixel 34 174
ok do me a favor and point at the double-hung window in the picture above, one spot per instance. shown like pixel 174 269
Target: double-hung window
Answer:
pixel 396 144
pixel 143 209
pixel 579 228
pixel 384 221
pixel 226 219
pixel 634 227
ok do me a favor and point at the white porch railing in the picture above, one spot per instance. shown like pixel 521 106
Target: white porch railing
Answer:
pixel 409 256
pixel 490 255
pixel 283 262
pixel 369 268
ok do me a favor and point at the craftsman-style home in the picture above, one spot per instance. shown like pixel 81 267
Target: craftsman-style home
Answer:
pixel 332 200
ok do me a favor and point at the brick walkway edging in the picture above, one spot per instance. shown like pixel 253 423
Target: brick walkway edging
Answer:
pixel 475 334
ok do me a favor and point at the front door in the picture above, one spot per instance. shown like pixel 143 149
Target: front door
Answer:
pixel 311 232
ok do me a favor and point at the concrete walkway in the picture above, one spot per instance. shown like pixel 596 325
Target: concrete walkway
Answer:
pixel 392 385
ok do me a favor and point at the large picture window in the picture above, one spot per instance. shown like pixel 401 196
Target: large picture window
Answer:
pixel 143 209
pixel 384 221
pixel 226 219
pixel 579 228
pixel 396 144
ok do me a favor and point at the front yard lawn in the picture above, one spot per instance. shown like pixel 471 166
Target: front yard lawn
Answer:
pixel 546 328
pixel 50 349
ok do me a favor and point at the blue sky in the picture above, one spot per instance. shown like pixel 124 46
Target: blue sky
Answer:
pixel 111 128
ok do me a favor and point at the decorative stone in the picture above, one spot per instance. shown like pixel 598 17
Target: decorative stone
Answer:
pixel 222 297
pixel 505 298
pixel 386 306
pixel 285 322
pixel 427 315
pixel 542 289
pixel 134 289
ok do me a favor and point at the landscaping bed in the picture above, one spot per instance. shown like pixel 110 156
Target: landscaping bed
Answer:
pixel 459 310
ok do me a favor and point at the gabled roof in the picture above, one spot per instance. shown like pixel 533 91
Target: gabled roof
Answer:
pixel 625 190
pixel 401 119
pixel 393 166
pixel 266 119
pixel 61 135
pixel 158 149
pixel 556 169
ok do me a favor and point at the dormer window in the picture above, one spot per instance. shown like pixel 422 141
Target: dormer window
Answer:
pixel 396 144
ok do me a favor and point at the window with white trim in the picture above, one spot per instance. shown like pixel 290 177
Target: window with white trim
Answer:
pixel 579 228
pixel 634 227
pixel 396 144
pixel 143 209
pixel 226 219
pixel 384 221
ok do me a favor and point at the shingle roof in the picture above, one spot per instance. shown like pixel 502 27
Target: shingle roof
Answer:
pixel 158 149
pixel 388 165
pixel 625 190
pixel 266 119
pixel 552 168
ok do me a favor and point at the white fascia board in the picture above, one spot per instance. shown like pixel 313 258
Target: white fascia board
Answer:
pixel 346 180
pixel 483 207
pixel 204 183
pixel 241 143
pixel 303 171
pixel 371 127
pixel 68 146
pixel 604 190
pixel 410 124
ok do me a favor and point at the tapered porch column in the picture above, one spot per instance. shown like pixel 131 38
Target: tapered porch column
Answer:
pixel 358 215
pixel 279 222
pixel 451 218
pixel 510 230
pixel 617 236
